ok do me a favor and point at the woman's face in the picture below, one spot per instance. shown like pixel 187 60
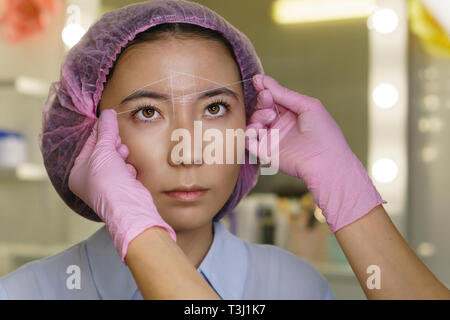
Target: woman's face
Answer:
pixel 181 69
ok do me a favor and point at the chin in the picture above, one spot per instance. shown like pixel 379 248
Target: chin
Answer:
pixel 183 219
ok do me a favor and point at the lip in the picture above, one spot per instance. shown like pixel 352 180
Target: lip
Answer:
pixel 191 193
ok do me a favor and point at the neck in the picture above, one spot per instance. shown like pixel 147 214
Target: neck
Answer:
pixel 195 243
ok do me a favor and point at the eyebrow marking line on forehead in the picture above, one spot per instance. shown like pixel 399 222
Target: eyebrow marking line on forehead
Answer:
pixel 171 94
pixel 159 96
pixel 194 76
pixel 141 93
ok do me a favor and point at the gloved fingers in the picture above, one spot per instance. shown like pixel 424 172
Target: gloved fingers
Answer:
pixel 264 109
pixel 108 129
pixel 132 170
pixel 256 125
pixel 292 100
pixel 257 82
pixel 118 142
pixel 258 148
pixel 88 146
pixel 264 116
pixel 75 179
pixel 265 101
pixel 123 151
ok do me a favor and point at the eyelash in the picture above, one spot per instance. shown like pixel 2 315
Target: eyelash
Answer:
pixel 215 102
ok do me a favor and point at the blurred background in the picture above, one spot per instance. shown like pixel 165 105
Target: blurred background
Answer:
pixel 381 68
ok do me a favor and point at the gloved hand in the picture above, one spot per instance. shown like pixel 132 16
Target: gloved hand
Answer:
pixel 106 183
pixel 313 148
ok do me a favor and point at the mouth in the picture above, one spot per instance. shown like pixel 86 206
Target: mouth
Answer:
pixel 191 193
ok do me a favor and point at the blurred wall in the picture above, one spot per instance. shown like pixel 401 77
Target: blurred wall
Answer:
pixel 22 201
pixel 34 221
pixel 429 156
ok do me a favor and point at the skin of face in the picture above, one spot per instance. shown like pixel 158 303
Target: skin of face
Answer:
pixel 184 64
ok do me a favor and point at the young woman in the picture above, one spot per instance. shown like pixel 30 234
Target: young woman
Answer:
pixel 144 70
pixel 147 70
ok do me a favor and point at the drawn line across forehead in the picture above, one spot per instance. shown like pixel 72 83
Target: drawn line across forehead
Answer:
pixel 190 94
pixel 170 77
pixel 171 94
pixel 194 76
pixel 183 95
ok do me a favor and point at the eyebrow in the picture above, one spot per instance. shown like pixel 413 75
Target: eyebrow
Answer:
pixel 141 93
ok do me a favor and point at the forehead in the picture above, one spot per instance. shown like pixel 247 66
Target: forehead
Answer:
pixel 178 65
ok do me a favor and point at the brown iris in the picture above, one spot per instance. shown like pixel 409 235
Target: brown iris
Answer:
pixel 148 112
pixel 214 108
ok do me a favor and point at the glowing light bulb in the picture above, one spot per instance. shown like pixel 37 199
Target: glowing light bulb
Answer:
pixel 384 170
pixel 383 20
pixel 71 34
pixel 385 95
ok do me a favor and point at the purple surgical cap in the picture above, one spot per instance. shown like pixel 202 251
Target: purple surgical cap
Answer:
pixel 70 110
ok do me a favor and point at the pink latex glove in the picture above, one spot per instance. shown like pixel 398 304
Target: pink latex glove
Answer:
pixel 313 148
pixel 106 183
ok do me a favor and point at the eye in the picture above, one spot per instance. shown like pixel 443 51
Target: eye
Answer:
pixel 218 108
pixel 145 114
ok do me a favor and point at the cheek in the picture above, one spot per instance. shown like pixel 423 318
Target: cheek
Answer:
pixel 226 174
pixel 230 172
pixel 233 140
pixel 226 177
pixel 147 153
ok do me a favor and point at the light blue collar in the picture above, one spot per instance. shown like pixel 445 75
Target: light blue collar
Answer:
pixel 224 266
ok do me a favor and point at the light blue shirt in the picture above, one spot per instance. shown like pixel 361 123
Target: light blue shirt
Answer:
pixel 235 269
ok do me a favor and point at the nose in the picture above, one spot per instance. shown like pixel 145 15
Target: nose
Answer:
pixel 186 143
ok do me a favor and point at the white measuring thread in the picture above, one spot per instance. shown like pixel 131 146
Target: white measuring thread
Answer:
pixel 171 95
pixel 148 84
pixel 170 78
pixel 187 95
pixel 182 97
pixel 187 74
pixel 161 80
pixel 194 76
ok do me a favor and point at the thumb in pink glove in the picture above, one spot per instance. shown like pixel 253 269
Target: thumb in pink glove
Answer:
pixel 313 148
pixel 107 184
